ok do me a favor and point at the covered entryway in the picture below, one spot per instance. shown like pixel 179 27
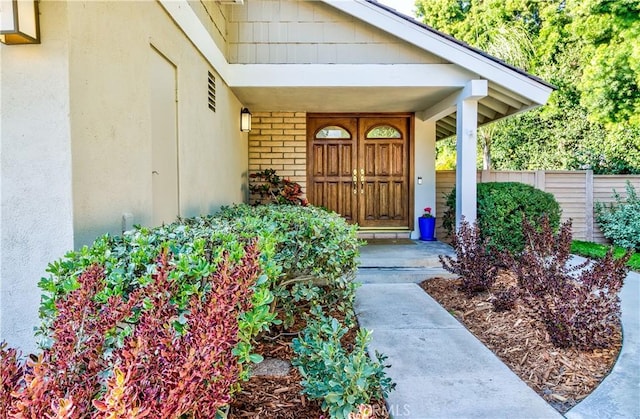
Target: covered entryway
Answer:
pixel 359 166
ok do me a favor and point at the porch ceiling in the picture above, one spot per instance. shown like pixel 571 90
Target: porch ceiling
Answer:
pixel 498 104
pixel 342 99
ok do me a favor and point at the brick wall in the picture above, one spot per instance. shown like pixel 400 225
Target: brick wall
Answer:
pixel 278 140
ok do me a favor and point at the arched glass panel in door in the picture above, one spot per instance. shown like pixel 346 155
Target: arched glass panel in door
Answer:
pixel 333 131
pixel 383 131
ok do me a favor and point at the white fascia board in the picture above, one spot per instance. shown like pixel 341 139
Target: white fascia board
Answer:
pixel 186 19
pixel 445 48
pixel 473 90
pixel 347 75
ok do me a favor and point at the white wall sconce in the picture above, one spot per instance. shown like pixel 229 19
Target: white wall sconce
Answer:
pixel 19 22
pixel 245 120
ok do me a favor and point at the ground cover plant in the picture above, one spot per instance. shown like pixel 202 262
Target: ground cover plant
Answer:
pixel 135 324
pixel 340 378
pixel 555 323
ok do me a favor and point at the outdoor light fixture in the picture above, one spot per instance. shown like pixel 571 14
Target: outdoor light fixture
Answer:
pixel 245 120
pixel 19 22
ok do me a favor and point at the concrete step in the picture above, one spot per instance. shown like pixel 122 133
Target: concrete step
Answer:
pixel 417 255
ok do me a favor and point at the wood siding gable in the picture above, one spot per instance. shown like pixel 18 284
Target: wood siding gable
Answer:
pixel 312 32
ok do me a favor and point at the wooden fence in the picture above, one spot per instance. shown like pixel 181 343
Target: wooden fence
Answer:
pixel 575 191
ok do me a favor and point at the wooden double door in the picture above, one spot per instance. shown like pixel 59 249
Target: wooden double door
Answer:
pixel 358 166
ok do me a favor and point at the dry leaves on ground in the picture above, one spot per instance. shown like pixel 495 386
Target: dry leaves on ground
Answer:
pixel 562 376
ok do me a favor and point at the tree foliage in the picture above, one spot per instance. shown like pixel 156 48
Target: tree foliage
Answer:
pixel 588 49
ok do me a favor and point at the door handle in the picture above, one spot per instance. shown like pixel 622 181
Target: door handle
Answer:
pixel 355 181
pixel 362 181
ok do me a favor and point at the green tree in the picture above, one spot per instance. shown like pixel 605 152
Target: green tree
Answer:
pixel 589 49
pixel 610 84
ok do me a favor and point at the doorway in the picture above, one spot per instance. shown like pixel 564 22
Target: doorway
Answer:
pixel 359 166
pixel 164 140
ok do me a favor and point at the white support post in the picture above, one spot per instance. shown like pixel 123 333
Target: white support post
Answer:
pixel 466 150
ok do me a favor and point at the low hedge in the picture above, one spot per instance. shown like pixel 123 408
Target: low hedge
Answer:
pixel 307 254
pixel 284 255
pixel 501 208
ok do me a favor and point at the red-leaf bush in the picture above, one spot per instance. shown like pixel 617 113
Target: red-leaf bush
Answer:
pixel 158 372
pixel 473 261
pixel 578 303
pixel 11 373
pixel 266 187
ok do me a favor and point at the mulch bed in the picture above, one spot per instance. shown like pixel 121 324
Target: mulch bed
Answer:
pixel 276 397
pixel 562 376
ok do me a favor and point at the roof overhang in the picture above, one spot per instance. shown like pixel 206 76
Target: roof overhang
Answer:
pixel 429 90
pixel 345 87
pixel 511 90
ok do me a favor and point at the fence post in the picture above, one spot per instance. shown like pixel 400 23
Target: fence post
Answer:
pixel 588 205
pixel 540 181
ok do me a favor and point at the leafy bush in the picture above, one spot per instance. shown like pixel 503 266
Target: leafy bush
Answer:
pixel 620 222
pixel 342 380
pixel 268 188
pixel 501 208
pixel 579 304
pixel 157 371
pixel 473 262
pixel 316 251
pixel 129 263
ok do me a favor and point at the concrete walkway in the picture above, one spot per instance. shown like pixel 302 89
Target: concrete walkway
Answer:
pixel 441 369
pixel 618 395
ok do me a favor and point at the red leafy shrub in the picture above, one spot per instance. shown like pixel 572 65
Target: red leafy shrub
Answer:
pixel 66 377
pixel 579 304
pixel 166 375
pixel 158 372
pixel 473 262
pixel 267 187
pixel 11 373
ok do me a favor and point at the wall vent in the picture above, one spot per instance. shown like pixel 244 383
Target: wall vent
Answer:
pixel 211 91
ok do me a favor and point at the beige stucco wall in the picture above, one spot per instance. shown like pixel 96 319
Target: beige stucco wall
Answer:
pixel 308 31
pixel 75 140
pixel 110 119
pixel 36 221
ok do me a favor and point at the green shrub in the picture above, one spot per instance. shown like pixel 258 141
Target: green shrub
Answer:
pixel 501 208
pixel 343 380
pixel 316 251
pixel 307 254
pixel 620 222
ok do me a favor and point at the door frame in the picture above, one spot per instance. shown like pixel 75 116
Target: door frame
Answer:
pixel 410 162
